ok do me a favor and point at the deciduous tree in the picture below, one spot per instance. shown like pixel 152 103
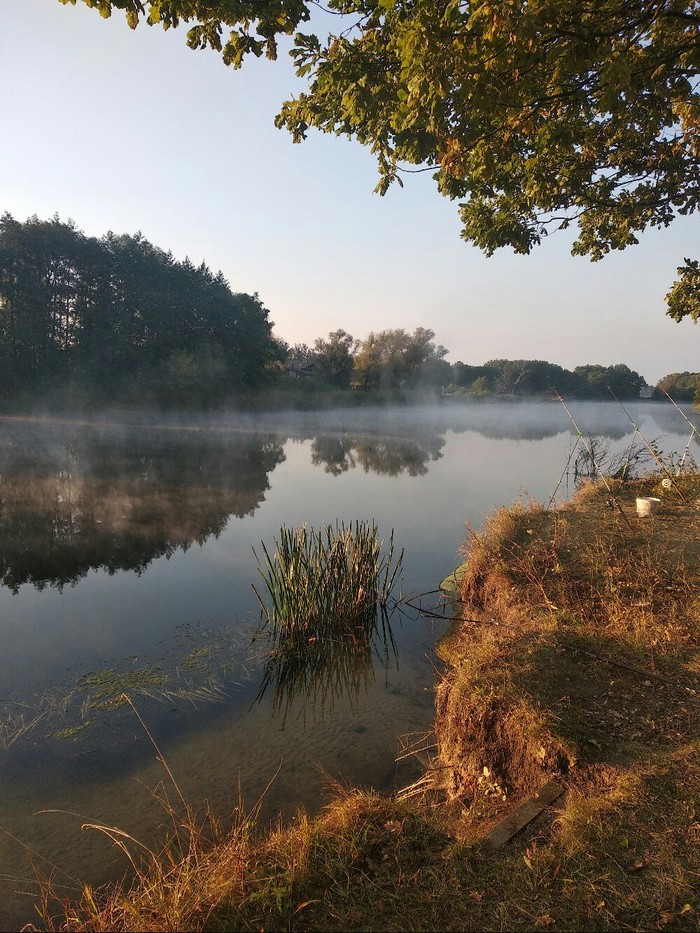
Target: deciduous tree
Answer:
pixel 602 381
pixel 396 359
pixel 683 387
pixel 334 357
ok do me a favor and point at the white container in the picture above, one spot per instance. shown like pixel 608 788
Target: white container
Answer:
pixel 647 505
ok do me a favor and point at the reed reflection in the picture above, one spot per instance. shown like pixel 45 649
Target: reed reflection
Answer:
pixel 312 673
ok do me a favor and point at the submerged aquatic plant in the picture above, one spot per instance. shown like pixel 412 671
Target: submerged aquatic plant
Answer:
pixel 206 673
pixel 325 610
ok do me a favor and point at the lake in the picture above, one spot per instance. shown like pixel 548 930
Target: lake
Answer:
pixel 126 566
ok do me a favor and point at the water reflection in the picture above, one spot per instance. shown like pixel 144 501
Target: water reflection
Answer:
pixel 310 674
pixel 79 497
pixel 536 421
pixel 73 500
pixel 418 435
pixel 681 421
pixel 388 456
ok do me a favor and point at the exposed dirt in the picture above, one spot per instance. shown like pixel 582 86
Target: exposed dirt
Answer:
pixel 579 648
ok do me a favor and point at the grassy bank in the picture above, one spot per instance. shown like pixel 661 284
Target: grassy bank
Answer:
pixel 577 660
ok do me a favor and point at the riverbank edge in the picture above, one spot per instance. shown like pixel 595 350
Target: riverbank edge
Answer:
pixel 575 660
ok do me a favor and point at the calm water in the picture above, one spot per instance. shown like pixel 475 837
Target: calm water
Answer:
pixel 126 563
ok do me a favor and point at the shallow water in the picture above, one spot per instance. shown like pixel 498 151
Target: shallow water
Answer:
pixel 126 563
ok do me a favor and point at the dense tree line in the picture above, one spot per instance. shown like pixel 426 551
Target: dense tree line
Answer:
pixel 91 320
pixel 118 317
pixel 398 360
pixel 591 381
pixel 682 387
pixel 539 378
pixel 395 359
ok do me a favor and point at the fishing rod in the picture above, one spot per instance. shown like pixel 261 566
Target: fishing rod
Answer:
pixel 680 410
pixel 693 429
pixel 593 458
pixel 649 446
pixel 565 472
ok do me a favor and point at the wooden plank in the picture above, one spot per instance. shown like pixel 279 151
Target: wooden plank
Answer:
pixel 524 814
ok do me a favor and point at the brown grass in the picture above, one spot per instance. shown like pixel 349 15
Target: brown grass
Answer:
pixel 583 666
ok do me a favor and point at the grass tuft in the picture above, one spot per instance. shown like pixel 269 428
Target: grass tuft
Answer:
pixel 325 613
pixel 324 580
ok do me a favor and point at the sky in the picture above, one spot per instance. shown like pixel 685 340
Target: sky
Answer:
pixel 132 131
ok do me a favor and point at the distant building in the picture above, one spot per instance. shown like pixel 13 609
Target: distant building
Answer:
pixel 646 391
pixel 301 370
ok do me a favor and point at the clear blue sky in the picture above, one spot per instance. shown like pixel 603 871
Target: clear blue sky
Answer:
pixel 129 131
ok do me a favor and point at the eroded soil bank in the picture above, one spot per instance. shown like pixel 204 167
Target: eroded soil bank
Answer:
pixel 577 659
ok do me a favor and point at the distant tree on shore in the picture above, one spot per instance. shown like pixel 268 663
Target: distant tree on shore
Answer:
pixel 682 387
pixel 118 318
pixel 335 356
pixel 538 378
pixel 396 359
pixel 598 381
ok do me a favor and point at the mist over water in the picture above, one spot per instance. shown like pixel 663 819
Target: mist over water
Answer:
pixel 126 562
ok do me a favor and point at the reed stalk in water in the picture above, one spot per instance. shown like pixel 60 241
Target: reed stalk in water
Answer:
pixel 322 582
pixel 324 613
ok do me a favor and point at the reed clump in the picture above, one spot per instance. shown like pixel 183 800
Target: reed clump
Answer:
pixel 325 614
pixel 321 581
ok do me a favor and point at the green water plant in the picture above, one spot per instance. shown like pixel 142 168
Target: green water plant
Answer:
pixel 328 579
pixel 324 608
pixel 200 666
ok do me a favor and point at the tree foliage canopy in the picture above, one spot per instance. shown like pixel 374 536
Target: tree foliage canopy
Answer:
pixel 539 379
pixel 120 316
pixel 532 114
pixel 395 358
pixel 335 355
pixel 683 387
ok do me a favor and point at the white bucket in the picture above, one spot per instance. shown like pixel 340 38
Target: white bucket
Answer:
pixel 647 505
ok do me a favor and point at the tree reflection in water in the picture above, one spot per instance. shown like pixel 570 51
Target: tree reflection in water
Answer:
pixel 74 500
pixel 388 456
pixel 76 497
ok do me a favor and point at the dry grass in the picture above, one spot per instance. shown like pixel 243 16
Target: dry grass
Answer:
pixel 583 666
pixel 578 658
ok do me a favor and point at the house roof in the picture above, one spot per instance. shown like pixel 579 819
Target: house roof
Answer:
pixel 302 368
